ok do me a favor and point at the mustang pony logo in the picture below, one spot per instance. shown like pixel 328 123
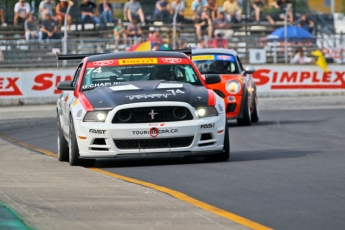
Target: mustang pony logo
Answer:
pixel 103 63
pixel 152 114
pixel 171 60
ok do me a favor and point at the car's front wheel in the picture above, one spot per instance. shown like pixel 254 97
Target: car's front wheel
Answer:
pixel 255 113
pixel 62 143
pixel 74 159
pixel 246 119
pixel 225 155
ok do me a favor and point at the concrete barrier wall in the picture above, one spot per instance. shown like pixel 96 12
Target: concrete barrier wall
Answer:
pixel 39 86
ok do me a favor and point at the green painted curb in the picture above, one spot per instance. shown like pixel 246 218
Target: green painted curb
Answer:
pixel 10 220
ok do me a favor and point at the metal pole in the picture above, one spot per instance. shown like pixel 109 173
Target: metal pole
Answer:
pixel 285 34
pixel 332 7
pixel 65 34
pixel 174 25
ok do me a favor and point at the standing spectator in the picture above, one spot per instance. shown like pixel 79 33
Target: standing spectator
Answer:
pixel 61 10
pixel 31 28
pixel 134 32
pixel 133 10
pixel 197 8
pixel 204 22
pixel 156 38
pixel 87 10
pixel 49 27
pixel 2 17
pixel 162 11
pixel 300 58
pixel 120 33
pixel 21 12
pixel 222 25
pixel 179 6
pixel 44 7
pixel 233 10
pixel 106 11
pixel 306 23
pixel 282 6
pixel 212 8
pixel 257 8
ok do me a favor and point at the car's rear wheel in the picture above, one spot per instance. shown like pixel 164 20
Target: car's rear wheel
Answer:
pixel 74 159
pixel 246 119
pixel 255 113
pixel 62 143
pixel 225 155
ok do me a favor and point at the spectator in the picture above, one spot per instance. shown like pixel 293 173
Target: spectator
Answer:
pixel 233 10
pixel 134 32
pixel 87 10
pixel 120 33
pixel 204 22
pixel 257 8
pixel 21 12
pixel 152 31
pixel 212 8
pixel 156 38
pixel 181 44
pixel 156 47
pixel 300 58
pixel 106 11
pixel 133 10
pixel 306 23
pixel 197 8
pixel 61 10
pixel 179 6
pixel 2 17
pixel 219 41
pixel 282 6
pixel 222 25
pixel 162 11
pixel 49 28
pixel 44 7
pixel 31 28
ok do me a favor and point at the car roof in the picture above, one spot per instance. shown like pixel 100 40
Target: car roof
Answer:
pixel 149 54
pixel 214 51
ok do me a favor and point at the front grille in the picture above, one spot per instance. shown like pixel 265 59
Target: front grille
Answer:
pixel 154 143
pixel 152 114
pixel 231 108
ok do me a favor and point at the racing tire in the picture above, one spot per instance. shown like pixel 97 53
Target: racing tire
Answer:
pixel 255 113
pixel 62 143
pixel 225 155
pixel 246 119
pixel 74 159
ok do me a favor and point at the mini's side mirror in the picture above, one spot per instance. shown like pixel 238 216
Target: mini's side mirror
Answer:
pixel 212 78
pixel 249 70
pixel 65 85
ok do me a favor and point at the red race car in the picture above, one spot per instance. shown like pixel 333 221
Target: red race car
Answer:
pixel 237 86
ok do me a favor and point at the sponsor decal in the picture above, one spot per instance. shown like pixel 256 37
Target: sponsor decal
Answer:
pixel 79 112
pixel 158 95
pixel 75 102
pixel 157 125
pixel 46 81
pixel 286 80
pixel 96 131
pixel 171 60
pixel 155 131
pixel 138 61
pixel 9 87
pixel 208 57
pixel 207 126
pixel 103 63
pixel 223 57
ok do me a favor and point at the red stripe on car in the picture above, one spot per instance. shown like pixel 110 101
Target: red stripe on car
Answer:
pixel 211 98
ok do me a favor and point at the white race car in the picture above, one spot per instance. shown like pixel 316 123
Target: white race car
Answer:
pixel 139 104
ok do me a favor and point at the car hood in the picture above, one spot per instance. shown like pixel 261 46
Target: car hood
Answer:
pixel 107 98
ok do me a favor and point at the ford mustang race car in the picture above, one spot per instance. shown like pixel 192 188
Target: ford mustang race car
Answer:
pixel 237 86
pixel 139 104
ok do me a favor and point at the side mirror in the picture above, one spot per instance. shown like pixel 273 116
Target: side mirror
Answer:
pixel 65 85
pixel 249 70
pixel 212 78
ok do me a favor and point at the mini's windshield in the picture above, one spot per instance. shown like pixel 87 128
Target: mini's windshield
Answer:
pixel 221 64
pixel 116 71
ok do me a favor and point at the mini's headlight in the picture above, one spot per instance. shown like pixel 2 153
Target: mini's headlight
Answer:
pixel 206 112
pixel 95 116
pixel 233 86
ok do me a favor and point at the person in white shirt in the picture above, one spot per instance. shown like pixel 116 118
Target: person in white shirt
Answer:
pixel 300 58
pixel 44 7
pixel 21 12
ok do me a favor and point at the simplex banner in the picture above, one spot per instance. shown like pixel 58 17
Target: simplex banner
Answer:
pixel 269 79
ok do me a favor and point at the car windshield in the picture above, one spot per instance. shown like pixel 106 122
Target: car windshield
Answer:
pixel 220 63
pixel 111 72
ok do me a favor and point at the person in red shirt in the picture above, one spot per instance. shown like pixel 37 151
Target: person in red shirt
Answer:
pixel 219 41
pixel 156 38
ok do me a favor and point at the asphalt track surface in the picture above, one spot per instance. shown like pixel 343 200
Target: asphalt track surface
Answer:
pixel 285 172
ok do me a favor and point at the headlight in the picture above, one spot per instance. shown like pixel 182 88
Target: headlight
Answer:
pixel 95 116
pixel 206 112
pixel 233 86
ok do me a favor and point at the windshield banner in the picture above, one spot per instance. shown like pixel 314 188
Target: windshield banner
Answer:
pixel 220 57
pixel 137 61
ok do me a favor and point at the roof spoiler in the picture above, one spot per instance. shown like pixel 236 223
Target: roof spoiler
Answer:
pixel 72 57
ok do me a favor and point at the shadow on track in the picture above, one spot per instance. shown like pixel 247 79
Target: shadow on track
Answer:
pixel 277 122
